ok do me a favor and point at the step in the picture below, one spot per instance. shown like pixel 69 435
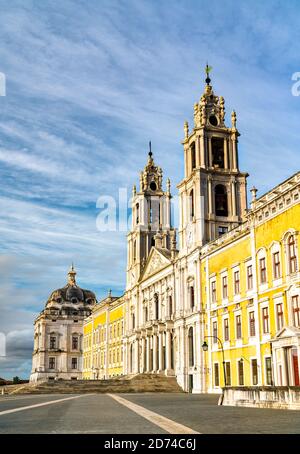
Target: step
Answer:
pixel 136 383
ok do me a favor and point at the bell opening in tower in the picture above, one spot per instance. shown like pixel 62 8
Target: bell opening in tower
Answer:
pixel 221 202
pixel 217 146
pixel 193 156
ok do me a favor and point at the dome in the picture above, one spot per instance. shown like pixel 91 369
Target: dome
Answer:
pixel 72 293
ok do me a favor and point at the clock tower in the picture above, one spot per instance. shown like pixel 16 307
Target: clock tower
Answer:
pixel 151 220
pixel 213 193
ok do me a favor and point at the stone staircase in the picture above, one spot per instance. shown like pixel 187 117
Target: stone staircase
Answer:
pixel 126 384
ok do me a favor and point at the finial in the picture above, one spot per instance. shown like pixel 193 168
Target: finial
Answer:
pixel 186 130
pixel 233 119
pixel 134 190
pixel 109 293
pixel 207 71
pixel 150 151
pixel 71 275
pixel 168 185
pixel 72 269
pixel 253 191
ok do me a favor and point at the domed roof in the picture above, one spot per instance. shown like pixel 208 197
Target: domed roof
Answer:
pixel 72 293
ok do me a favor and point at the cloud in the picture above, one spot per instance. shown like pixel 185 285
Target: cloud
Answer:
pixel 84 97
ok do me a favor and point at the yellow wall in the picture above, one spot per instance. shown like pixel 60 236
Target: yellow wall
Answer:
pixel 103 345
pixel 220 260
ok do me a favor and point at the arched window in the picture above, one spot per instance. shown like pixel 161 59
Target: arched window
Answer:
pixel 145 313
pixel 192 297
pixel 191 346
pixel 292 257
pixel 193 156
pixel 156 307
pixel 150 212
pixel 217 147
pixel 221 202
pixel 192 204
pixel 137 213
pixel 134 250
pixel 132 320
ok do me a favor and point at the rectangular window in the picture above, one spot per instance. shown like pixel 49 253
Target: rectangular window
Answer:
pixel 228 374
pixel 213 292
pixel 215 332
pixel 296 310
pixel 241 372
pixel 254 372
pixel 236 282
pixel 170 306
pixel 226 329
pixel 216 374
pixel 52 342
pixel 279 316
pixel 74 342
pixel 222 230
pixel 263 270
pixel 249 277
pixel 252 324
pixel 238 322
pixel 268 364
pixel 224 287
pixel 74 363
pixel 276 265
pixel 265 316
pixel 51 363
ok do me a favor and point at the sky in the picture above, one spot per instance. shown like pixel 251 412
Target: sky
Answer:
pixel 88 84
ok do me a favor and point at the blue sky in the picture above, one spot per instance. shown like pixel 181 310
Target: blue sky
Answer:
pixel 88 85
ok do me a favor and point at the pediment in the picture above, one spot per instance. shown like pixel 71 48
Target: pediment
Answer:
pixel 157 260
pixel 288 331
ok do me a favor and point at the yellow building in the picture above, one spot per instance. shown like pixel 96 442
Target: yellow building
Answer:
pixel 250 284
pixel 103 340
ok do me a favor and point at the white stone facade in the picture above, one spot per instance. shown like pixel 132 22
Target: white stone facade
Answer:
pixel 58 333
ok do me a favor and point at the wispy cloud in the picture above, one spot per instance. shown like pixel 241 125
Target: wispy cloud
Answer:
pixel 88 84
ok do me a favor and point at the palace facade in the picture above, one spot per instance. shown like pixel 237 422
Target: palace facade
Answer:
pixel 222 305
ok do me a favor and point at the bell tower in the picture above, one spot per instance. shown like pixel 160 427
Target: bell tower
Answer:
pixel 151 220
pixel 213 193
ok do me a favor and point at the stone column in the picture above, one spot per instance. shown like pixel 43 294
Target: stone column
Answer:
pixel 160 357
pixel 136 359
pixel 202 151
pixel 143 355
pixel 233 193
pixel 209 190
pixel 225 154
pixel 168 351
pixel 197 151
pixel 155 353
pixel 210 157
pixel 147 354
pixel 234 152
